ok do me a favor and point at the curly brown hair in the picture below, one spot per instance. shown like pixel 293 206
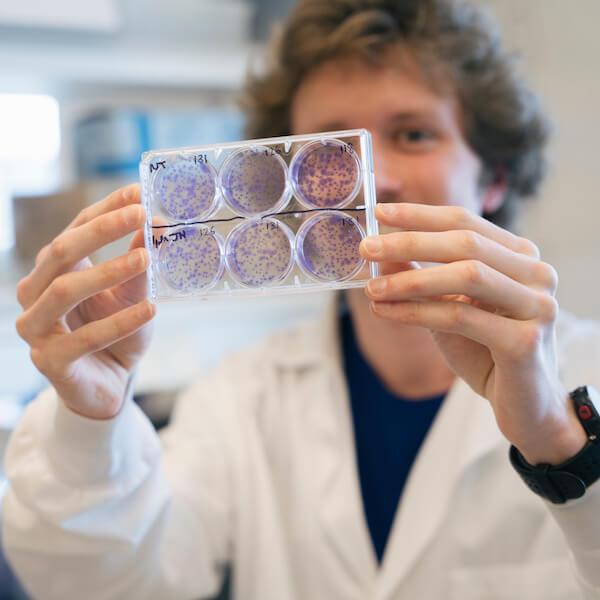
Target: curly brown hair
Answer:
pixel 503 121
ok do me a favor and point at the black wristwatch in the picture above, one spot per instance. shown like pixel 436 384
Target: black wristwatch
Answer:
pixel 570 479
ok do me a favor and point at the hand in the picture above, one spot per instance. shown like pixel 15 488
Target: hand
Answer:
pixel 491 310
pixel 88 325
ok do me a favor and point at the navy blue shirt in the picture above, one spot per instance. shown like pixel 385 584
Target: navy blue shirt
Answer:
pixel 388 432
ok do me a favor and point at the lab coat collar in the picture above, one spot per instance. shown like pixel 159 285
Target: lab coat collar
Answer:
pixel 464 430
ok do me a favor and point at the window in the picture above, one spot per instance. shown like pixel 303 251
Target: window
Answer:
pixel 29 151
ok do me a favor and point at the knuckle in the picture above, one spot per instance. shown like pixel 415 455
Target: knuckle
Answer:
pixel 460 217
pixel 386 243
pixel 409 241
pixel 402 210
pixel 113 271
pixel 457 316
pixel 103 225
pixel 21 325
pixel 58 249
pixel 527 341
pixel 107 272
pixel 84 215
pixel 413 285
pixel 87 341
pixel 474 272
pixel 411 313
pixel 469 242
pixel 61 288
pixel 22 290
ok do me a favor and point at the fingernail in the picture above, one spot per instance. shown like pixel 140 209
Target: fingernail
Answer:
pixel 129 191
pixel 377 286
pixel 386 209
pixel 136 258
pixel 377 307
pixel 373 245
pixel 133 214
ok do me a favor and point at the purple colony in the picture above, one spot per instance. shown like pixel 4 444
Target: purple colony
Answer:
pixel 254 182
pixel 259 252
pixel 193 262
pixel 325 175
pixel 186 190
pixel 327 247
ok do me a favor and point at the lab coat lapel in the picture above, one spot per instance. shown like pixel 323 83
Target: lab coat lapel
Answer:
pixel 337 489
pixel 463 430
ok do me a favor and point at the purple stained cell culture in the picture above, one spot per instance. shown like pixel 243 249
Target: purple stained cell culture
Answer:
pixel 254 182
pixel 259 252
pixel 185 189
pixel 327 247
pixel 193 261
pixel 326 174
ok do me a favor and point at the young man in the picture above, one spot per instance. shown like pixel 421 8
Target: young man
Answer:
pixel 358 457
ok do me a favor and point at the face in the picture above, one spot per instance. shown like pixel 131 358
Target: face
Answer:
pixel 420 153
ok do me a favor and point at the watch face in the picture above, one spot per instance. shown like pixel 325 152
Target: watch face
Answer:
pixel 587 405
pixel 594 395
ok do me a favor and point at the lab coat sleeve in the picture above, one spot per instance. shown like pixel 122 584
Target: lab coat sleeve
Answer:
pixel 580 522
pixel 96 509
pixel 580 519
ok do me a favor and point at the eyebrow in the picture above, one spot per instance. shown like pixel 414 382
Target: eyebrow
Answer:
pixel 406 116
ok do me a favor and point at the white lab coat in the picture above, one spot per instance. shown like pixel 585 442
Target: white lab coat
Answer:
pixel 258 470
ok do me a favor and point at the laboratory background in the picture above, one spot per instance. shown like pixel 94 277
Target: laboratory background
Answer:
pixel 86 87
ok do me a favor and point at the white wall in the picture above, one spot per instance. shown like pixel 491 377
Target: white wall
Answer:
pixel 560 46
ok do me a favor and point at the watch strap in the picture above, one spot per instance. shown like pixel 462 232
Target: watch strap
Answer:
pixel 570 479
pixel 559 483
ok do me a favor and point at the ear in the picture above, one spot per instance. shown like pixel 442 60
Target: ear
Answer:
pixel 494 193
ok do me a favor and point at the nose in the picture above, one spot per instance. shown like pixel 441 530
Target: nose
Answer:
pixel 388 179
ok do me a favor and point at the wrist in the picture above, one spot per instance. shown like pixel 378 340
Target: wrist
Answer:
pixel 105 404
pixel 560 442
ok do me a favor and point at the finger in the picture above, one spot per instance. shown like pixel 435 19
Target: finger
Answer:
pixel 70 289
pixel 391 267
pixel 138 240
pixel 424 217
pixel 97 335
pixel 120 198
pixel 74 245
pixel 469 278
pixel 125 196
pixel 500 334
pixel 136 288
pixel 459 245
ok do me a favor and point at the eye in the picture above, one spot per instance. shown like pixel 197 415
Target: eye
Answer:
pixel 414 138
pixel 417 135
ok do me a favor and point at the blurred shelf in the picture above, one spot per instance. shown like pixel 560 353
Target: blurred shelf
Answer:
pixel 195 67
